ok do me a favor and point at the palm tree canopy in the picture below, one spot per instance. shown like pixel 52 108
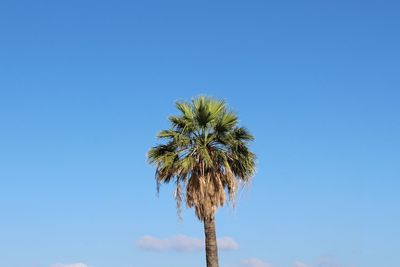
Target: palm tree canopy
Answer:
pixel 205 153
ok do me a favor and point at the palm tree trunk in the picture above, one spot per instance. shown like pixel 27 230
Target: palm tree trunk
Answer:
pixel 211 243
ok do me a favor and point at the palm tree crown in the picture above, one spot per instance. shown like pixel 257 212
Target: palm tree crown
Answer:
pixel 205 153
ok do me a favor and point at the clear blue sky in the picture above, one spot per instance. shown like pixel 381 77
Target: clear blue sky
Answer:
pixel 86 85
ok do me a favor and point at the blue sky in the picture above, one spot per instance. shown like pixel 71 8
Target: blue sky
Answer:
pixel 86 85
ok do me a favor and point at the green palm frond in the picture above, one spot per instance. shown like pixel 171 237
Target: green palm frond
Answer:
pixel 205 153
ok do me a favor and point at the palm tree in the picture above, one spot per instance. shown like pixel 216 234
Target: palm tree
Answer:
pixel 206 154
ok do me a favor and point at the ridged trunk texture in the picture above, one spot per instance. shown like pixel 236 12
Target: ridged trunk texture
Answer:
pixel 211 243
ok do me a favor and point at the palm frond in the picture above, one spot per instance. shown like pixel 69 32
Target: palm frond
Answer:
pixel 205 153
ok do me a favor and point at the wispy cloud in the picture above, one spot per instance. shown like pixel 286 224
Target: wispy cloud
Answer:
pixel 254 262
pixel 301 264
pixel 323 262
pixel 70 265
pixel 227 243
pixel 182 243
pixel 328 261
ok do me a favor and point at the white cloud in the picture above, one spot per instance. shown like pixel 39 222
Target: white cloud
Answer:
pixel 328 262
pixel 254 262
pixel 227 243
pixel 177 243
pixel 69 265
pixel 183 243
pixel 300 264
pixel 324 262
